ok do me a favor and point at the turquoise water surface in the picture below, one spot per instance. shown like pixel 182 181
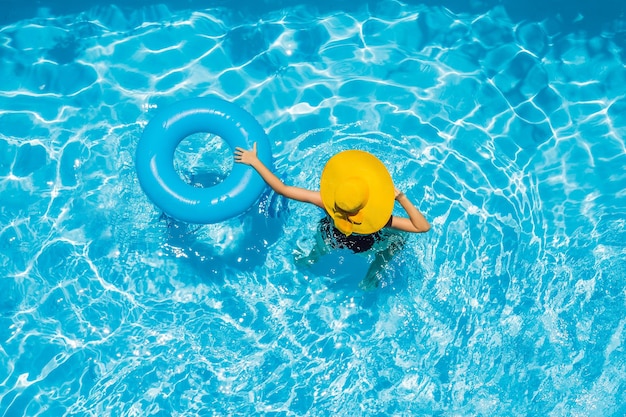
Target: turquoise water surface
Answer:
pixel 506 128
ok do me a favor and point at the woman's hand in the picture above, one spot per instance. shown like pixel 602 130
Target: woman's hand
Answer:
pixel 416 222
pixel 249 157
pixel 245 156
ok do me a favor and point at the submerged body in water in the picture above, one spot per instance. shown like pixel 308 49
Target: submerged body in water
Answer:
pixel 357 194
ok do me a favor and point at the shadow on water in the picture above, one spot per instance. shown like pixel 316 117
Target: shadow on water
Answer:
pixel 252 233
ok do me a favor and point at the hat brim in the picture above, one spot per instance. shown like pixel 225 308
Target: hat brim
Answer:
pixel 361 164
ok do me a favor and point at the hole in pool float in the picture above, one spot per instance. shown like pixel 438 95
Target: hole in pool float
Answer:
pixel 203 160
pixel 192 176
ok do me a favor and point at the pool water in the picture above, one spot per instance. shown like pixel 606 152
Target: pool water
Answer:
pixel 506 129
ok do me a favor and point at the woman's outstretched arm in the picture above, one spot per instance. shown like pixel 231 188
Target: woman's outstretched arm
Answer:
pixel 416 222
pixel 249 157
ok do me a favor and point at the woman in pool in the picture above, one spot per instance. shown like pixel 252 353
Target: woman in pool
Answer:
pixel 357 194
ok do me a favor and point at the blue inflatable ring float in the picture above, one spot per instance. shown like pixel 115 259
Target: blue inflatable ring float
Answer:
pixel 154 160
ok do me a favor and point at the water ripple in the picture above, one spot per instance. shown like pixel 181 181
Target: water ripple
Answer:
pixel 510 138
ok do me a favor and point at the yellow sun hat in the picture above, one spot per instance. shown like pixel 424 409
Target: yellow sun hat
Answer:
pixel 357 191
